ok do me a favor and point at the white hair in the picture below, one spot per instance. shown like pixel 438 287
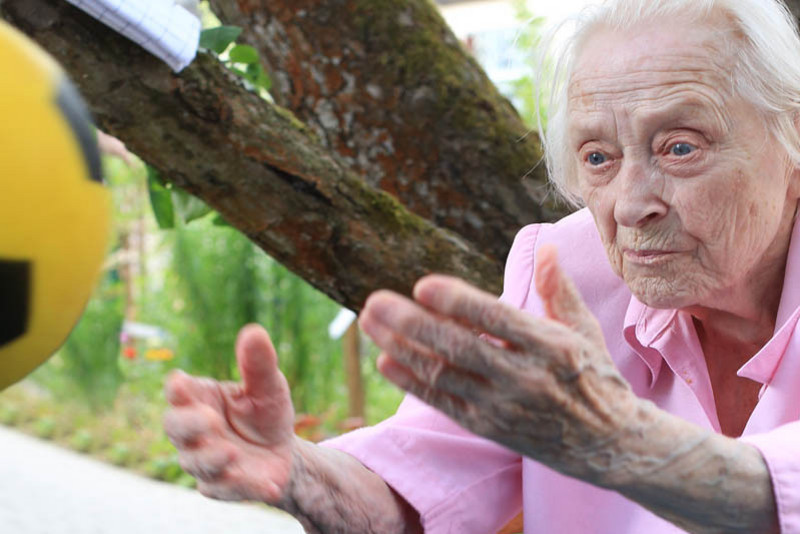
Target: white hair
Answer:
pixel 766 72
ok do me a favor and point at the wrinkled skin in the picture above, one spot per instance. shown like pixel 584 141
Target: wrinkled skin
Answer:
pixel 236 438
pixel 690 196
pixel 690 193
pixel 544 387
pixel 695 203
pixel 547 388
pixel 693 198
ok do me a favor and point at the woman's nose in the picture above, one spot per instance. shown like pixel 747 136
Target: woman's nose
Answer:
pixel 639 196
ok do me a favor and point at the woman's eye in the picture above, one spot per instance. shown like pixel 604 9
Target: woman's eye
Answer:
pixel 596 158
pixel 682 149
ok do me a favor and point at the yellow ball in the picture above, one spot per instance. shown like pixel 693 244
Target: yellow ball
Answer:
pixel 54 210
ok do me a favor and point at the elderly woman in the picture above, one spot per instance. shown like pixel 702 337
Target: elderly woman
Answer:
pixel 646 380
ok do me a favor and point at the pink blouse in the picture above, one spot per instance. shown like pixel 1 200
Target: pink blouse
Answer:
pixel 464 484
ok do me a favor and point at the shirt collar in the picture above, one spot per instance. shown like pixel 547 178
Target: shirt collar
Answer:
pixel 644 326
pixel 763 365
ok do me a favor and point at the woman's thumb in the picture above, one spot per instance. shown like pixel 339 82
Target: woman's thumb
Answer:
pixel 257 360
pixel 561 299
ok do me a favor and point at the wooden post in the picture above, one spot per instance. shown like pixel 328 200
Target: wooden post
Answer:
pixel 352 368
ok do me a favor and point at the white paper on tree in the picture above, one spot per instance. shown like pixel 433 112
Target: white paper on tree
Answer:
pixel 164 29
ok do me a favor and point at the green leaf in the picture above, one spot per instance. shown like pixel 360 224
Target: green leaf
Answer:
pixel 258 76
pixel 160 200
pixel 188 207
pixel 218 220
pixel 243 54
pixel 240 72
pixel 218 39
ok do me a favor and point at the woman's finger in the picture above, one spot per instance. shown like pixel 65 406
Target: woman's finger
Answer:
pixel 388 317
pixel 561 299
pixel 182 389
pixel 451 405
pixel 257 361
pixel 207 463
pixel 543 339
pixel 427 367
pixel 220 490
pixel 186 427
pixel 452 297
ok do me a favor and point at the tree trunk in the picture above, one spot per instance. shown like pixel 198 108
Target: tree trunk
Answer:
pixel 254 162
pixel 388 98
pixel 388 86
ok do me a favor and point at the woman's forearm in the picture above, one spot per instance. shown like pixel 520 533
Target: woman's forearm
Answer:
pixel 701 481
pixel 331 492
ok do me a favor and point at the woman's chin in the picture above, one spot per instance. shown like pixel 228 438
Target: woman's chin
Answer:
pixel 663 296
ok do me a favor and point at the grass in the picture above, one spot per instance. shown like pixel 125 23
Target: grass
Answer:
pixel 128 435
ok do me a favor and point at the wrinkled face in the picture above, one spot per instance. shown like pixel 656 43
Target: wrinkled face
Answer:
pixel 690 193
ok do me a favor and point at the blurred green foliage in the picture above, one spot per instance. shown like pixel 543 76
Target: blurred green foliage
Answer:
pixel 529 97
pixel 45 427
pixel 199 282
pixel 240 58
pixel 81 441
pixel 85 355
pixel 219 38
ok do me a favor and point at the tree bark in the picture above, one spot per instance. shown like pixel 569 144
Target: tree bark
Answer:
pixel 255 163
pixel 387 85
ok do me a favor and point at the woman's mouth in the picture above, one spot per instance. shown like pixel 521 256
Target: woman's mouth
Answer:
pixel 648 256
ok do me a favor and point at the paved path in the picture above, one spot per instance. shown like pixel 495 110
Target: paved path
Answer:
pixel 48 490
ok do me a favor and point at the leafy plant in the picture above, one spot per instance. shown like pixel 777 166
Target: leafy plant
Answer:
pixel 81 441
pixel 215 280
pixel 529 97
pixel 165 468
pixel 9 415
pixel 120 454
pixel 240 58
pixel 171 204
pixel 90 354
pixel 45 427
pixel 160 199
pixel 186 480
pixel 220 38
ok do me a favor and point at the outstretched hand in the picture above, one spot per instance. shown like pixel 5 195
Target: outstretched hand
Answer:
pixel 237 439
pixel 545 387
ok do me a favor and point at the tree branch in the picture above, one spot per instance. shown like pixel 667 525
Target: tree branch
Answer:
pixel 253 162
pixel 387 85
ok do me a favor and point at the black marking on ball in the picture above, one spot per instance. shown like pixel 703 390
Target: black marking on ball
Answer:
pixel 74 110
pixel 15 295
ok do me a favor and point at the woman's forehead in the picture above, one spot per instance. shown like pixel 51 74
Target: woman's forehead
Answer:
pixel 611 54
pixel 650 65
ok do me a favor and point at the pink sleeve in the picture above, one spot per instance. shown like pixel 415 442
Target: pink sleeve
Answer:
pixel 781 451
pixel 458 482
